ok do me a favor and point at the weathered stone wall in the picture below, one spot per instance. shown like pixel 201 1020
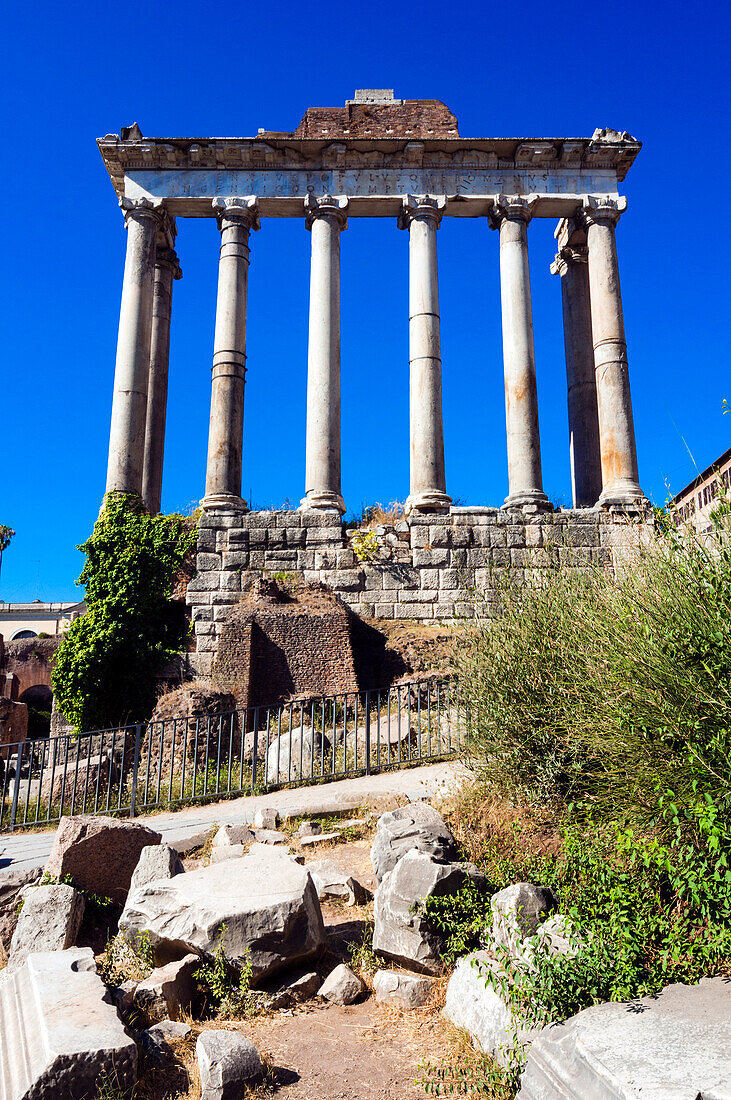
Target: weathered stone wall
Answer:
pixel 426 567
pixel 416 118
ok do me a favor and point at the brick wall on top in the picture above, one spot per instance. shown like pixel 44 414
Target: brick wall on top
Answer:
pixel 426 567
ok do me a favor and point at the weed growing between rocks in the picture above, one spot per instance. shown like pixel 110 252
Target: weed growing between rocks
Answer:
pixel 362 956
pixel 228 986
pixel 122 961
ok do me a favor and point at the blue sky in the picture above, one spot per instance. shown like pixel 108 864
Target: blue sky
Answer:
pixel 74 72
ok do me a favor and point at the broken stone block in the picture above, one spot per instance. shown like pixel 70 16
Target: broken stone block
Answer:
pixel 266 818
pixel 267 902
pixel 417 826
pixel 156 1040
pixel 672 1044
pixel 401 931
pixel 322 838
pixel 517 912
pixel 474 1005
pixel 60 1036
pixel 228 1063
pixel 124 995
pixel 49 921
pixel 168 990
pixel 156 861
pixel 229 835
pixel 342 986
pixel 331 882
pixel 405 990
pixel 269 836
pixel 11 885
pixel 99 853
pixel 309 828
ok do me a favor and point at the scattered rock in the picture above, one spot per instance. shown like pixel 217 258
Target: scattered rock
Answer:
pixel 473 1004
pixel 673 1044
pixel 229 835
pixel 417 826
pixel 308 841
pixel 168 990
pixel 292 755
pixel 401 932
pixel 309 828
pixel 266 818
pixel 156 1040
pixel 269 836
pixel 406 990
pixel 156 861
pixel 49 921
pixel 342 986
pixel 227 1062
pixel 11 885
pixel 331 882
pixel 60 1034
pixel 517 912
pixel 305 986
pixel 268 903
pixel 99 853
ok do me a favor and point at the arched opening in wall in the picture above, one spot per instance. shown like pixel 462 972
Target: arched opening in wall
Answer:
pixel 23 634
pixel 38 700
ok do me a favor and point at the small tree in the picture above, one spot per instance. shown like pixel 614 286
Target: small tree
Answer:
pixel 6 534
pixel 106 663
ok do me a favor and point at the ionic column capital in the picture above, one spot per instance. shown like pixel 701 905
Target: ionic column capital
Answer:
pixel 422 208
pixel 569 255
pixel 514 208
pixel 237 211
pixel 168 257
pixel 328 206
pixel 139 209
pixel 602 210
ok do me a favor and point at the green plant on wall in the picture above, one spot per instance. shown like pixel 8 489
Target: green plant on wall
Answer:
pixel 106 664
pixel 365 545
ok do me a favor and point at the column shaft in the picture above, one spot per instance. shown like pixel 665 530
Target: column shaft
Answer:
pixel 525 482
pixel 620 478
pixel 326 218
pixel 586 467
pixel 166 269
pixel 225 438
pixel 427 493
pixel 129 406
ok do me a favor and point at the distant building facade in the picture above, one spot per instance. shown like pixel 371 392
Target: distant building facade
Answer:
pixel 696 501
pixel 28 620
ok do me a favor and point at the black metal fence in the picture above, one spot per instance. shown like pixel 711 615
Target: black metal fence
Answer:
pixel 170 763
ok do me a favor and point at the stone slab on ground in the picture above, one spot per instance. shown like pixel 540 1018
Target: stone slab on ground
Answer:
pixel 59 1034
pixel 190 827
pixel 49 921
pixel 405 990
pixel 320 838
pixel 99 853
pixel 228 1062
pixel 672 1046
pixel 267 902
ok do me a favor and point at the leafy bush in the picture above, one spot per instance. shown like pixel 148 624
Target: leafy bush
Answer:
pixel 459 918
pixel 228 986
pixel 106 663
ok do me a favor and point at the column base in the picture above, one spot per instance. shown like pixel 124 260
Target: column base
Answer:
pixel 428 501
pixel 322 501
pixel 224 502
pixel 623 496
pixel 530 500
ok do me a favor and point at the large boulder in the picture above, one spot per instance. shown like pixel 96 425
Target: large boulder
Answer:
pixel 293 754
pixel 266 901
pixel 99 853
pixel 473 1004
pixel 60 1035
pixel 49 921
pixel 401 931
pixel 675 1045
pixel 156 861
pixel 11 885
pixel 416 826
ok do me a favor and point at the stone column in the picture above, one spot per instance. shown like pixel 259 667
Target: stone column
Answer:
pixel 586 467
pixel 421 215
pixel 236 216
pixel 166 270
pixel 525 483
pixel 325 218
pixel 620 478
pixel 129 407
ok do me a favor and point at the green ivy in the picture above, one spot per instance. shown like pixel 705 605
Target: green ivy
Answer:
pixel 105 667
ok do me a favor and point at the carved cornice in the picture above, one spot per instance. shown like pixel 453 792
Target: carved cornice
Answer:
pixel 512 208
pixel 568 255
pixel 326 207
pixel 242 209
pixel 137 209
pixel 600 209
pixel 422 208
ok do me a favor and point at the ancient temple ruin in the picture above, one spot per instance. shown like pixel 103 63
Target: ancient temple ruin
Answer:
pixel 379 157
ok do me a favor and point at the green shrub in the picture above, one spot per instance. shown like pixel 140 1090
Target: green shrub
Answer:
pixel 105 666
pixel 228 986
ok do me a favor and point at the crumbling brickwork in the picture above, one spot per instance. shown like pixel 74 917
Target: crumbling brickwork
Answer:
pixel 417 118
pixel 437 567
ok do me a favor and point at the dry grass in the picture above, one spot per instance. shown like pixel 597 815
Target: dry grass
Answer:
pixel 386 514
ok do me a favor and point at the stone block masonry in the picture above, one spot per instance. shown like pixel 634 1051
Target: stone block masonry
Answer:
pixel 427 567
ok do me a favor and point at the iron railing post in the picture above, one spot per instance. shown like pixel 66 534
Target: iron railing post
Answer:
pixel 368 733
pixel 135 768
pixel 254 759
pixel 16 784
